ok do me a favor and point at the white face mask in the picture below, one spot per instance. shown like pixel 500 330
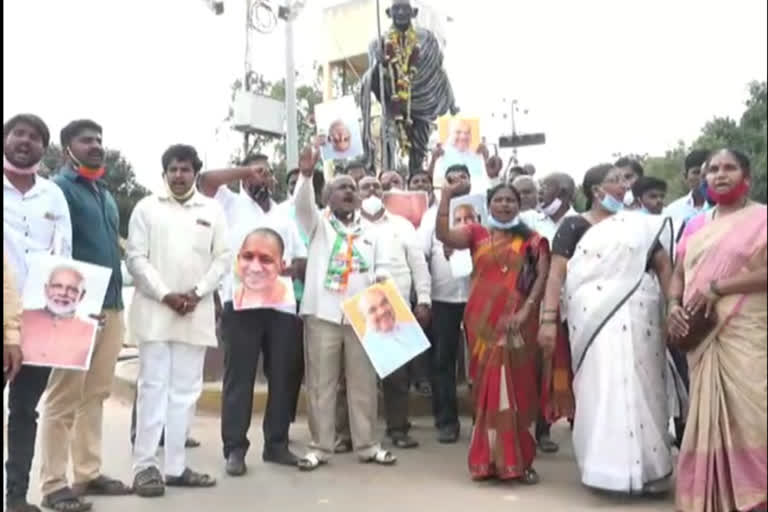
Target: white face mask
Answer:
pixel 629 198
pixel 552 207
pixel 372 205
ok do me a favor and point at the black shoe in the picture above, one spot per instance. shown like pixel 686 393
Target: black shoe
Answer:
pixel 282 456
pixel 547 445
pixel 448 435
pixel 236 464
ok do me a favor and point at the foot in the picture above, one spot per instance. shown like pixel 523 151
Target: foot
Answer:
pixel 190 478
pixel 282 456
pixel 23 506
pixel 65 500
pixel 191 443
pixel 382 458
pixel 310 462
pixel 546 444
pixel 102 486
pixel 448 435
pixel 530 477
pixel 236 464
pixel 403 441
pixel 343 446
pixel 148 483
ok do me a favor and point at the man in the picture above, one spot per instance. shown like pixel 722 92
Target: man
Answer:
pixel 343 261
pixel 631 171
pixel 449 297
pixel 390 180
pixel 529 196
pixel 650 193
pixel 54 335
pixel 409 271
pixel 178 251
pixel 35 221
pixel 74 404
pixel 556 195
pixel 387 342
pixel 248 333
pixel 12 356
pixel 422 182
pixel 685 208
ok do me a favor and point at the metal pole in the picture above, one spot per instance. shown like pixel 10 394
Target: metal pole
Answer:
pixel 247 60
pixel 382 93
pixel 292 135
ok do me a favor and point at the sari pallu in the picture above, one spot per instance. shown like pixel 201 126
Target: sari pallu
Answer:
pixel 623 384
pixel 501 366
pixel 722 462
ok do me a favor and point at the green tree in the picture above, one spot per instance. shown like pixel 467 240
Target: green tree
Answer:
pixel 119 178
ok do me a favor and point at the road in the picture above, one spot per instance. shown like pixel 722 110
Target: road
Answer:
pixel 433 476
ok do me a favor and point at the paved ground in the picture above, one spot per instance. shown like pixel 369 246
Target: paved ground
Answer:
pixel 431 477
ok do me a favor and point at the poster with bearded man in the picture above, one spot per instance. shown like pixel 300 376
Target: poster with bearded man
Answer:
pixel 386 327
pixel 62 303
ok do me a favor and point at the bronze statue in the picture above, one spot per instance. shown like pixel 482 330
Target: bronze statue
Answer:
pixel 416 87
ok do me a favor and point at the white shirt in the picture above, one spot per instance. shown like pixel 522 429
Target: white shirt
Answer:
pixel 682 210
pixel 33 223
pixel 175 247
pixel 244 215
pixel 445 287
pixel 318 300
pixel 409 266
pixel 543 223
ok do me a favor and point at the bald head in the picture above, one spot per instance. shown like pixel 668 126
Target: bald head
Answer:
pixel 526 187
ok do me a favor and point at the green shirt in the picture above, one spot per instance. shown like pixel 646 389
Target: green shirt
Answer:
pixel 95 221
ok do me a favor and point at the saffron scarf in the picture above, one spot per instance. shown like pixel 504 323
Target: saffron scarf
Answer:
pixel 345 258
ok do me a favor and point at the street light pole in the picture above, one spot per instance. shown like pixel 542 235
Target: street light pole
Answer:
pixel 247 71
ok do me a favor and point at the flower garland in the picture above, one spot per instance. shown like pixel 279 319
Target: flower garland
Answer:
pixel 401 53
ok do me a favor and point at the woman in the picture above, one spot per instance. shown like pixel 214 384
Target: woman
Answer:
pixel 611 263
pixel 501 317
pixel 721 267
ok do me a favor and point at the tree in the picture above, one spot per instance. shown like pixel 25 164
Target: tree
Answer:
pixel 119 179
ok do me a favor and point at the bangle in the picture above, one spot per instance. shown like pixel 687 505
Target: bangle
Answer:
pixel 674 301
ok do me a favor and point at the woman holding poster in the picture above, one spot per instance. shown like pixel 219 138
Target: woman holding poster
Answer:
pixel 501 320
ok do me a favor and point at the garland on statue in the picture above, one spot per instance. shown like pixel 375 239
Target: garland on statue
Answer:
pixel 401 56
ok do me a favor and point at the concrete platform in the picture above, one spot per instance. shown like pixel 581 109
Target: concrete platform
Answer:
pixel 127 371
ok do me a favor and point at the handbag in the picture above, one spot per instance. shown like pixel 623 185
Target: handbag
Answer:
pixel 699 327
pixel 528 274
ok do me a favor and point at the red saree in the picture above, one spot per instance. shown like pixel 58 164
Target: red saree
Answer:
pixel 502 366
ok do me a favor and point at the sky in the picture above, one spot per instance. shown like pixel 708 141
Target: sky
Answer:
pixel 597 76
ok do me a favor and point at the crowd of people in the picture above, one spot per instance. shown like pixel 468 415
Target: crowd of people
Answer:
pixel 622 319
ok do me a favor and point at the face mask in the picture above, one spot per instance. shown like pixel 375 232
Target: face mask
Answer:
pixel 8 166
pixel 552 208
pixel 611 204
pixel 494 223
pixel 372 205
pixel 629 198
pixel 88 173
pixel 734 195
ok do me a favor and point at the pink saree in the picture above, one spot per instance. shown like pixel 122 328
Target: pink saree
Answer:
pixel 722 462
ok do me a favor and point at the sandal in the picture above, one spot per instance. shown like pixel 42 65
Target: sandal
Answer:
pixel 102 486
pixel 530 477
pixel 343 446
pixel 382 458
pixel 310 462
pixel 148 483
pixel 64 500
pixel 191 443
pixel 190 478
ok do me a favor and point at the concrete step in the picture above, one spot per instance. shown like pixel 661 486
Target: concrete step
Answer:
pixel 127 371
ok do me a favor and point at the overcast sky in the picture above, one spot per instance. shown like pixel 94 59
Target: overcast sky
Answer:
pixel 598 76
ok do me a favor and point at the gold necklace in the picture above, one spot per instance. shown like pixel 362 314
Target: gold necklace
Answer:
pixel 504 268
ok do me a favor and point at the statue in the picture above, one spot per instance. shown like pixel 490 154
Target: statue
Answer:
pixel 416 87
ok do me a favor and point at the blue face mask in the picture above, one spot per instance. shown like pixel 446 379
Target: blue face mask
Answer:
pixel 611 204
pixel 493 223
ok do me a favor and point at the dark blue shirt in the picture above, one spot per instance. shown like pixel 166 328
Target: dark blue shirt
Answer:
pixel 95 221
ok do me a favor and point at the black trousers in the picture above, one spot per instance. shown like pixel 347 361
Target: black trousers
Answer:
pixel 25 392
pixel 681 364
pixel 446 330
pixel 245 336
pixel 396 389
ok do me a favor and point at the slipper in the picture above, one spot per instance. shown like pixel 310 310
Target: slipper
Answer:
pixel 190 478
pixel 382 458
pixel 148 483
pixel 530 477
pixel 64 500
pixel 310 462
pixel 102 486
pixel 344 446
pixel 404 442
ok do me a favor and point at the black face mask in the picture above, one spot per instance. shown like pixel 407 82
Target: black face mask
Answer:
pixel 258 193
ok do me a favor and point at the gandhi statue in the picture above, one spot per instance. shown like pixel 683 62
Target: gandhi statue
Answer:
pixel 416 87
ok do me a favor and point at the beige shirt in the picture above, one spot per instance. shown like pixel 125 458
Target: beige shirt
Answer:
pixel 175 247
pixel 11 306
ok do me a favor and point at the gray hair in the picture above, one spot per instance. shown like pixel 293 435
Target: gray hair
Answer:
pixel 67 268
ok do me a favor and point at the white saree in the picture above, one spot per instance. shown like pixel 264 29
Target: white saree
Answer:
pixel 623 384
